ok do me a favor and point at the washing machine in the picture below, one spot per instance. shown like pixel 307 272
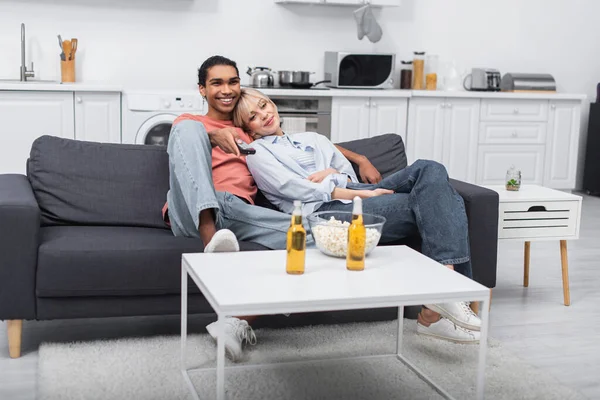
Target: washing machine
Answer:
pixel 148 116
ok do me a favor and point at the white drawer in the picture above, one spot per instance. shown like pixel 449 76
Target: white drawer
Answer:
pixel 514 110
pixel 542 219
pixel 512 133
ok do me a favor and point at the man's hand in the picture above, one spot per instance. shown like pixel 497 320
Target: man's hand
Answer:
pixel 225 138
pixel 368 173
pixel 319 176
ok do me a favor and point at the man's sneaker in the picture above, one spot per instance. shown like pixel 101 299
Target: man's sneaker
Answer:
pixel 224 241
pixel 447 330
pixel 459 313
pixel 237 332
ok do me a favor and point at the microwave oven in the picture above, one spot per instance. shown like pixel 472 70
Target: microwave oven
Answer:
pixel 359 71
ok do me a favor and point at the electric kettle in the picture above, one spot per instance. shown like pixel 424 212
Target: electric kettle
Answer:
pixel 261 77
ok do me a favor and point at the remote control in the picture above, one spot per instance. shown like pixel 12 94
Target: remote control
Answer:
pixel 245 149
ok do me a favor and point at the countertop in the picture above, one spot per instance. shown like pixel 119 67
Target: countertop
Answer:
pixel 418 93
pixel 39 86
pixel 323 92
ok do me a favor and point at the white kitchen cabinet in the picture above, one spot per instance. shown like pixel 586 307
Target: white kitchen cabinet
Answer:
pixel 98 116
pixel 425 129
pixel 495 160
pixel 388 115
pixel 363 117
pixel 25 116
pixel 444 130
pixel 349 118
pixel 563 144
pixel 461 123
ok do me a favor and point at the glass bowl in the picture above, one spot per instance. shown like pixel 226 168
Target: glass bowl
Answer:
pixel 331 236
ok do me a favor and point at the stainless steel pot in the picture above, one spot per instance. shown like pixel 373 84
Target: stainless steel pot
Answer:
pixel 289 78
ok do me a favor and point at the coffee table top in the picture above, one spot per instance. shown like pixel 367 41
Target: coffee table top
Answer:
pixel 532 193
pixel 255 283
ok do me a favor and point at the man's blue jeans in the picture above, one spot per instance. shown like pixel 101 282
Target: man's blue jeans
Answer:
pixel 425 204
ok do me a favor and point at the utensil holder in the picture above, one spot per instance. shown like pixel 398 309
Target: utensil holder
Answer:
pixel 67 71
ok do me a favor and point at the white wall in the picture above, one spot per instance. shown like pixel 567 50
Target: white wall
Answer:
pixel 158 44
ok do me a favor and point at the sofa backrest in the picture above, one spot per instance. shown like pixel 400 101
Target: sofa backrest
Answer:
pixel 88 183
pixel 386 152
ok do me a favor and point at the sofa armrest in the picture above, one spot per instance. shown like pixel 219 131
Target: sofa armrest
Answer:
pixel 482 212
pixel 19 237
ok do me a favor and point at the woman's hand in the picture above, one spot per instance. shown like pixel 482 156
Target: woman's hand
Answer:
pixel 368 173
pixel 318 177
pixel 376 192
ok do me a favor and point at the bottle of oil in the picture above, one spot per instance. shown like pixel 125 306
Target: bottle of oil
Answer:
pixel 296 242
pixel 357 238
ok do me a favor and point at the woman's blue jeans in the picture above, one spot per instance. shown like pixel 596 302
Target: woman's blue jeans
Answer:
pixel 425 204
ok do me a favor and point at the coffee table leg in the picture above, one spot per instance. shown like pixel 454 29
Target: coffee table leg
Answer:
pixel 485 314
pixel 184 303
pixel 564 258
pixel 526 262
pixel 221 359
pixel 400 330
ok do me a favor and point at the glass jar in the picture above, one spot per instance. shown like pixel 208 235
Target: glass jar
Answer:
pixel 418 70
pixel 406 75
pixel 431 72
pixel 513 179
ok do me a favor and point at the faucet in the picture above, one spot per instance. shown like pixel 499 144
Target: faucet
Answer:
pixel 24 72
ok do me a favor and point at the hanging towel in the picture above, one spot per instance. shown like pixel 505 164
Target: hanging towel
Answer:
pixel 366 24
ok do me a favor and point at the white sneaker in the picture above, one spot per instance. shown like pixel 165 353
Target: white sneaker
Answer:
pixel 224 241
pixel 447 330
pixel 459 313
pixel 237 332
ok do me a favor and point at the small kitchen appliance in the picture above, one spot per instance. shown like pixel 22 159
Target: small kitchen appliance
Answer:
pixel 483 80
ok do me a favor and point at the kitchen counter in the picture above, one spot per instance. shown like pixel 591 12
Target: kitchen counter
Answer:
pixel 400 93
pixel 338 92
pixel 497 95
pixel 37 86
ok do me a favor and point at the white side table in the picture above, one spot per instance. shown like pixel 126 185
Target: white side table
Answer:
pixel 539 213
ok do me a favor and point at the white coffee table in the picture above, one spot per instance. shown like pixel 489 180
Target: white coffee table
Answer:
pixel 255 283
pixel 538 213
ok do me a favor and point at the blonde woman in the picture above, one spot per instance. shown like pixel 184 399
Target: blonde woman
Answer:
pixel 418 199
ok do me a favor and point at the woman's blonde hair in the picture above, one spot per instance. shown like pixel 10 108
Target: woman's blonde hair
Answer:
pixel 248 99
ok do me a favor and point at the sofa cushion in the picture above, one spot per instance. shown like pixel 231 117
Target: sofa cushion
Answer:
pixel 386 152
pixel 112 261
pixel 87 183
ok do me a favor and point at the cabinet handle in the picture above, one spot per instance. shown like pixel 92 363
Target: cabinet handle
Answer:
pixel 368 103
pixel 514 134
pixel 443 105
pixel 373 104
pixel 553 106
pixel 449 105
pixel 78 99
pixel 516 111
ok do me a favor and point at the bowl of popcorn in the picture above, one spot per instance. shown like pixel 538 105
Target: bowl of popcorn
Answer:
pixel 330 231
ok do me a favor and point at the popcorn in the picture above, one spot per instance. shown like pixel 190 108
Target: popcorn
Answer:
pixel 332 237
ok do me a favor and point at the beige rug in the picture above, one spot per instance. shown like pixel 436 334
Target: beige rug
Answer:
pixel 148 368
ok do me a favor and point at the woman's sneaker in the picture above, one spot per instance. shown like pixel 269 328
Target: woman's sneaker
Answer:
pixel 223 241
pixel 237 332
pixel 460 313
pixel 447 330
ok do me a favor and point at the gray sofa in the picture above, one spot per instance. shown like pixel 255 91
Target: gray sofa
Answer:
pixel 82 235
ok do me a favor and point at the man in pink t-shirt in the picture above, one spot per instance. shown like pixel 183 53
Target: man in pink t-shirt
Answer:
pixel 212 192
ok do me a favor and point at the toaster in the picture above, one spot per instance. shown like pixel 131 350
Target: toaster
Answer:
pixel 483 80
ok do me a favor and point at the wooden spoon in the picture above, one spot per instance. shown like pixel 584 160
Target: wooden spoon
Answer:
pixel 67 47
pixel 73 48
